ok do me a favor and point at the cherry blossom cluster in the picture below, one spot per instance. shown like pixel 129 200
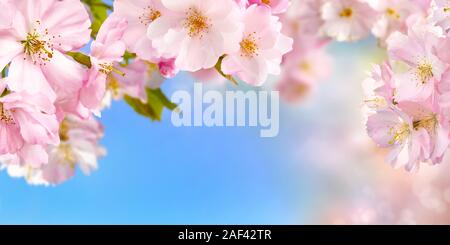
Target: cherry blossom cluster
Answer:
pixel 46 125
pixel 52 89
pixel 408 95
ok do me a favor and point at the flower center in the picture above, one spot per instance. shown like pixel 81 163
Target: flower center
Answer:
pixel 392 13
pixel 399 134
pixel 37 48
pixel 5 115
pixel 107 68
pixel 196 23
pixel 447 9
pixel 424 72
pixel 249 46
pixel 64 131
pixel 346 13
pixel 300 89
pixel 305 66
pixel 429 123
pixel 150 14
pixel 266 2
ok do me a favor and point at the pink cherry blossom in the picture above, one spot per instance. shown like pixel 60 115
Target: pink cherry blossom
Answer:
pixel 413 132
pixel 106 51
pixel 26 119
pixel 78 147
pixel 379 88
pixel 417 51
pixel 167 67
pixel 197 32
pixel 139 15
pixel 347 20
pixel 277 6
pixel 138 76
pixel 31 157
pixel 262 47
pixel 35 45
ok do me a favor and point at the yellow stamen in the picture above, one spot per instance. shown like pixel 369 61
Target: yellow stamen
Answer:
pixel 429 123
pixel 399 134
pixel 36 47
pixel 5 115
pixel 305 66
pixel 346 13
pixel 249 46
pixel 107 68
pixel 196 23
pixel 424 72
pixel 392 13
pixel 150 14
pixel 64 131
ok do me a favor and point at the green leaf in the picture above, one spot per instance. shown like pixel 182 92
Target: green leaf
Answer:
pixel 128 56
pixel 4 72
pixel 153 109
pixel 81 58
pixel 99 11
pixel 158 94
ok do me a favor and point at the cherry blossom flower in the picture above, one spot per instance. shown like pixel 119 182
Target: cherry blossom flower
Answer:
pixel 262 47
pixel 167 67
pixel 26 119
pixel 106 51
pixel 28 157
pixel 139 75
pixel 379 88
pixel 139 15
pixel 414 133
pixel 41 32
pixel 78 147
pixel 347 20
pixel 193 25
pixel 417 52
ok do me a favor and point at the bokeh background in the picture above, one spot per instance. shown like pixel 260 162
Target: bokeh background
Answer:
pixel 321 169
